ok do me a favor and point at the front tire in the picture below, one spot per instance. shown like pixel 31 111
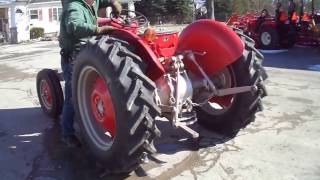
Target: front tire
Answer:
pixel 49 92
pixel 115 105
pixel 241 108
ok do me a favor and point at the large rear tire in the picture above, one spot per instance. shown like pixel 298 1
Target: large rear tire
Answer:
pixel 268 38
pixel 115 104
pixel 50 93
pixel 240 110
pixel 289 40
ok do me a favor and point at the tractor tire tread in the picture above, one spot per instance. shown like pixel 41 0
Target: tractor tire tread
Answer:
pixel 256 78
pixel 125 69
pixel 247 104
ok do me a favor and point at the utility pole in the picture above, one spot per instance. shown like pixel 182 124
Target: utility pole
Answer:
pixel 312 6
pixel 210 9
pixel 194 10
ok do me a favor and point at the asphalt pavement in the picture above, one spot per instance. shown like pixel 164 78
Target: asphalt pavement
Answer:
pixel 283 142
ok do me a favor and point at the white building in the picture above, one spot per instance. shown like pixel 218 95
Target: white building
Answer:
pixel 17 17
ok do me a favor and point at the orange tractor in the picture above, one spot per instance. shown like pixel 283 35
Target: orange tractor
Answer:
pixel 282 30
pixel 124 80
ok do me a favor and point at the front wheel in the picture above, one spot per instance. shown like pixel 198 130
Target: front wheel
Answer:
pixel 50 92
pixel 268 38
pixel 229 114
pixel 114 101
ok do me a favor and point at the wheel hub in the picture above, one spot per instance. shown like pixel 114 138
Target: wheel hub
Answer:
pixel 46 94
pixel 223 80
pixel 266 38
pixel 96 108
pixel 100 99
pixel 100 108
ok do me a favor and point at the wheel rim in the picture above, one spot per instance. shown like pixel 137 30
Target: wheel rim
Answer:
pixel 45 94
pixel 220 105
pixel 266 38
pixel 96 108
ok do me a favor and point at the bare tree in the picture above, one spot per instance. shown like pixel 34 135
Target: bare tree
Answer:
pixel 210 9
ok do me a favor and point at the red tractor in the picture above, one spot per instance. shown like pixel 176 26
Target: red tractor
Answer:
pixel 282 30
pixel 124 80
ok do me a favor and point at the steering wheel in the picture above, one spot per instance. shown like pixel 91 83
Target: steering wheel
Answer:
pixel 129 18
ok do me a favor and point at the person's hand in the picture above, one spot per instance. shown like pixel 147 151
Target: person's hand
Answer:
pixel 116 8
pixel 104 30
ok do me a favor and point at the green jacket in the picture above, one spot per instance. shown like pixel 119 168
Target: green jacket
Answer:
pixel 78 22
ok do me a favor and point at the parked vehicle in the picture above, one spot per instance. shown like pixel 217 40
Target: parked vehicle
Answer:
pixel 122 81
pixel 281 30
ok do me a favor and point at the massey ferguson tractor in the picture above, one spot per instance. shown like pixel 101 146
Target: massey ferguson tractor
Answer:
pixel 124 80
pixel 282 30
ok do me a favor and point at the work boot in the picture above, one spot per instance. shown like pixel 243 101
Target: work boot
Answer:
pixel 71 141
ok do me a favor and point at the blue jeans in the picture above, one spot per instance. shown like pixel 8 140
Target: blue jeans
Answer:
pixel 68 109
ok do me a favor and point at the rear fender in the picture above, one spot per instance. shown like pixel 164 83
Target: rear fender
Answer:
pixel 154 68
pixel 221 45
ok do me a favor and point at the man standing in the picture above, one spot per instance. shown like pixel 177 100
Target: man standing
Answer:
pixel 264 14
pixel 291 10
pixel 78 23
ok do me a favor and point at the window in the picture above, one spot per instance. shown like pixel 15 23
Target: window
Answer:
pixel 19 11
pixel 56 13
pixel 3 13
pixel 33 14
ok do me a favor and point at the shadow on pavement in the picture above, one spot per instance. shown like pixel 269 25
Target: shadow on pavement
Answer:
pixel 175 140
pixel 30 148
pixel 299 58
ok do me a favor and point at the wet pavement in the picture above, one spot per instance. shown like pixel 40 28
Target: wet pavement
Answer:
pixel 282 143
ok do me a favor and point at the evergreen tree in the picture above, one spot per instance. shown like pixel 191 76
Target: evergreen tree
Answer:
pixel 156 9
pixel 223 9
pixel 210 9
pixel 240 6
pixel 180 8
pixel 151 8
